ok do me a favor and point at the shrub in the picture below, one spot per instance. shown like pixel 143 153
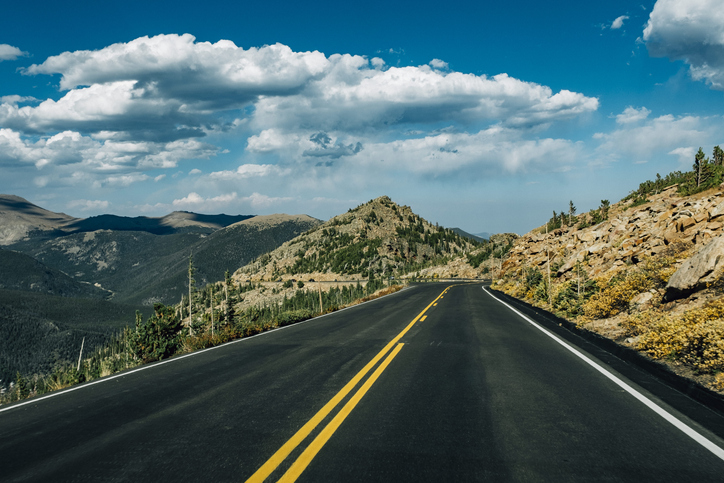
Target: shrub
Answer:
pixel 695 337
pixel 158 337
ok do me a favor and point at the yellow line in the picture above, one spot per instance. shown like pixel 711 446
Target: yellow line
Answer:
pixel 423 318
pixel 308 455
pixel 276 459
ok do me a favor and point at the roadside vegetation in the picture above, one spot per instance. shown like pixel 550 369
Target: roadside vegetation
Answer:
pixel 213 321
pixel 627 302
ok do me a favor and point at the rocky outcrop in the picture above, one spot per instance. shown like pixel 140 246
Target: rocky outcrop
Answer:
pixel 667 224
pixel 697 271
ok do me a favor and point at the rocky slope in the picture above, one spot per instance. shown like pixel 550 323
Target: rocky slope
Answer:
pixel 19 218
pixel 649 277
pixel 630 233
pixel 378 237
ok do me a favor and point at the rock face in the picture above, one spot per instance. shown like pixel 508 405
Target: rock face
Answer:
pixel 667 224
pixel 697 271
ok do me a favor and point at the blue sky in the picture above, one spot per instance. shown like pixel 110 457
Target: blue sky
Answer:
pixel 482 115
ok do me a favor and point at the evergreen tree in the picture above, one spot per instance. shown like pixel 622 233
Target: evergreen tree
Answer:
pixel 700 167
pixel 605 205
pixel 718 156
pixel 571 212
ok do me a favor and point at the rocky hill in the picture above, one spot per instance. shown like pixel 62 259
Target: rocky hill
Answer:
pixel 648 276
pixel 379 238
pixel 19 219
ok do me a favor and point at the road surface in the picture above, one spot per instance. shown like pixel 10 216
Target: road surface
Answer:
pixel 439 382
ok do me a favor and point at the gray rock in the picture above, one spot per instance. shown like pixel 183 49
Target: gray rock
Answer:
pixel 697 271
pixel 717 211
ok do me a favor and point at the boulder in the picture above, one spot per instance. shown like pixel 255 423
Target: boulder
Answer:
pixel 641 301
pixel 685 223
pixel 717 211
pixel 697 271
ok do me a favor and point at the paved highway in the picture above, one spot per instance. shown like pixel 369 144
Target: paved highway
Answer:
pixel 439 382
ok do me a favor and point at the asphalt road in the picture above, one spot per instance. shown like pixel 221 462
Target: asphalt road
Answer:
pixel 468 392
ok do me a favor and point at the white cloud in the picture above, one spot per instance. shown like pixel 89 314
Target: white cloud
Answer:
pixel 270 140
pixel 692 31
pixel 159 178
pixel 659 136
pixel 631 114
pixel 685 155
pixel 122 180
pixel 180 67
pixel 257 200
pixel 492 151
pixel 70 148
pixel 8 52
pixel 250 171
pixel 377 63
pixel 132 108
pixel 88 205
pixel 194 201
pixel 14 99
pixel 170 87
pixel 352 97
pixel 618 23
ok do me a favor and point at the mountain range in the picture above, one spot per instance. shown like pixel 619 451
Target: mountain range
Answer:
pixel 64 278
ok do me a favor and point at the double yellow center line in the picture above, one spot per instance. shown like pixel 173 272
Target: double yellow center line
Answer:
pixel 311 451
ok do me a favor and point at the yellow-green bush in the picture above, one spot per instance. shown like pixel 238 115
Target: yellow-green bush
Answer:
pixel 616 293
pixel 695 337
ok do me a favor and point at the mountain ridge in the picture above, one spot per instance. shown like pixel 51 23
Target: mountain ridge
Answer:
pixel 20 219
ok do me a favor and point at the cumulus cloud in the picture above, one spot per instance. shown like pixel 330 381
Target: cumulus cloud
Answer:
pixel 14 99
pixel 246 171
pixel 618 23
pixel 179 67
pixel 353 97
pixel 692 31
pixel 257 200
pixel 134 107
pixel 124 180
pixel 88 205
pixel 659 135
pixel 171 87
pixel 195 201
pixel 491 151
pixel 8 52
pixel 71 147
pixel 631 114
pixel 685 154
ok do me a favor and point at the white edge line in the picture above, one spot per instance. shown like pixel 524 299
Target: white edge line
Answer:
pixel 173 359
pixel 683 427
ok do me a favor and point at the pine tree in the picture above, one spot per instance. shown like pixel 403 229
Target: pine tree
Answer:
pixel 571 212
pixel 700 167
pixel 718 156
